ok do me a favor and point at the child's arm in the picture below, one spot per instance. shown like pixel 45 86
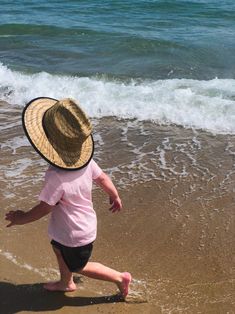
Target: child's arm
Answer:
pixel 107 185
pixel 19 217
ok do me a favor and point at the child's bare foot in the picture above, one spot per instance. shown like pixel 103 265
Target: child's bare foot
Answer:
pixel 124 284
pixel 60 286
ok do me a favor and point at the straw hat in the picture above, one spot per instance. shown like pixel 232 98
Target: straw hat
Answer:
pixel 59 131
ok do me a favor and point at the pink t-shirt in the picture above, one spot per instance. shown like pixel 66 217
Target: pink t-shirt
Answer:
pixel 73 220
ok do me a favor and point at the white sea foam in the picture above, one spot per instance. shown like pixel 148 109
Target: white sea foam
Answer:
pixel 15 143
pixel 208 105
pixel 17 168
pixel 43 272
pixel 7 125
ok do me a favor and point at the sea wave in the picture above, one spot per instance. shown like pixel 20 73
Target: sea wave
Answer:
pixel 208 105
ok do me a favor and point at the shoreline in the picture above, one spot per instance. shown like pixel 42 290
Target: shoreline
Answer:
pixel 175 233
pixel 175 271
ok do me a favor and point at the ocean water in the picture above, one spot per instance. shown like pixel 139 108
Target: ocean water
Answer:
pixel 157 79
pixel 171 62
pixel 127 39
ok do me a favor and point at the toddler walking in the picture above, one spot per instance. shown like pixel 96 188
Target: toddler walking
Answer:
pixel 61 133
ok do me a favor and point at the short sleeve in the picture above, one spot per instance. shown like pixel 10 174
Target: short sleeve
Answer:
pixel 52 190
pixel 96 170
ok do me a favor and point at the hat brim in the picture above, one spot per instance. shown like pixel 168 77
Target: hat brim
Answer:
pixel 32 121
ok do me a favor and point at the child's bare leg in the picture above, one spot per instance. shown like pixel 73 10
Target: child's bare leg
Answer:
pixel 101 272
pixel 66 282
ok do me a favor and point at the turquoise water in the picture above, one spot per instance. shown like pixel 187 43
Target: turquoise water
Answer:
pixel 120 39
pixel 170 62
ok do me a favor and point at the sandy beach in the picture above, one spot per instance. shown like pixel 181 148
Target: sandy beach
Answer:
pixel 175 233
pixel 157 79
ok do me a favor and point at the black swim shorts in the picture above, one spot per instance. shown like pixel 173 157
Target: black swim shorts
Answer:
pixel 74 257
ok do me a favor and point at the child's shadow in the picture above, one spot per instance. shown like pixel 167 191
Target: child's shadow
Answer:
pixel 17 298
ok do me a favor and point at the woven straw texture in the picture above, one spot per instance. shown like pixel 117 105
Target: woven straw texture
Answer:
pixel 60 131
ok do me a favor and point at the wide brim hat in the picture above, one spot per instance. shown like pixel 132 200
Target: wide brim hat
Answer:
pixel 59 131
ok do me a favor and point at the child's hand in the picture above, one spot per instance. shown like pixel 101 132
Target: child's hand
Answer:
pixel 116 204
pixel 15 217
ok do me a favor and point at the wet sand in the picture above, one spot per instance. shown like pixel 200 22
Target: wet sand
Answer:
pixel 175 234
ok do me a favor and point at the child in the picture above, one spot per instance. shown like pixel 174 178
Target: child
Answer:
pixel 61 133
